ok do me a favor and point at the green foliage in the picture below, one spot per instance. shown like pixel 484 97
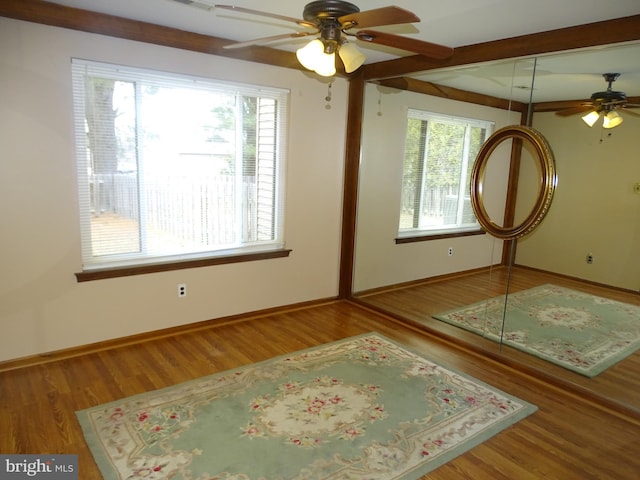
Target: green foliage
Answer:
pixel 445 150
pixel 412 152
pixel 439 155
pixel 444 146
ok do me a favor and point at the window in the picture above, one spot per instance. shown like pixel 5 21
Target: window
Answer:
pixel 439 155
pixel 172 168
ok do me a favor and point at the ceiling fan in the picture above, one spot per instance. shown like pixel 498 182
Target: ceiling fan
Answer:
pixel 333 20
pixel 607 103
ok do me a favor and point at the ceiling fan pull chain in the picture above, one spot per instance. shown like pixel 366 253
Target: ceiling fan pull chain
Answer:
pixel 328 97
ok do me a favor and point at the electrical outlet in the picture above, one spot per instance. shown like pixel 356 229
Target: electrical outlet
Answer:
pixel 450 251
pixel 182 290
pixel 590 258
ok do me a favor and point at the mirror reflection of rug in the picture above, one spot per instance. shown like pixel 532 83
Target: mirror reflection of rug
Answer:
pixel 576 330
pixel 360 408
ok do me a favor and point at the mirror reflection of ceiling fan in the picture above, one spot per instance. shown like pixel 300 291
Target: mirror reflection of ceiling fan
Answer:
pixel 608 104
pixel 332 21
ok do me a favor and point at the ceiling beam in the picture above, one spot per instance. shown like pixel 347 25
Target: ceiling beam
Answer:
pixel 567 104
pixel 48 13
pixel 433 89
pixel 618 30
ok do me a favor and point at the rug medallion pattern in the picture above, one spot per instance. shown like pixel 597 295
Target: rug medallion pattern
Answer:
pixel 576 330
pixel 361 408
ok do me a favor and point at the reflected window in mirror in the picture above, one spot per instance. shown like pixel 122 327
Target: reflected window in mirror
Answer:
pixel 438 159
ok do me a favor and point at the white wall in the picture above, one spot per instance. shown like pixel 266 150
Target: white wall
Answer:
pixel 42 307
pixel 594 209
pixel 378 260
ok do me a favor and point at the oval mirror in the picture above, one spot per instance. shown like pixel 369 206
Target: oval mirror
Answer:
pixel 532 144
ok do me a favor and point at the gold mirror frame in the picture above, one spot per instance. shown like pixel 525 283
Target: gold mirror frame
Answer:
pixel 548 181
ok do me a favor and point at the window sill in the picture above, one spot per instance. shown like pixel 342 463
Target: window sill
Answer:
pixel 438 236
pixel 128 271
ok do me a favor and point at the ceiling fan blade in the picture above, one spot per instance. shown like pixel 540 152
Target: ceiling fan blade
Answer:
pixel 285 18
pixel 263 40
pixel 574 111
pixel 630 112
pixel 428 49
pixel 612 103
pixel 377 17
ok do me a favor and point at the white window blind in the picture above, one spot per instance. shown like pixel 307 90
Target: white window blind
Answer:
pixel 173 167
pixel 439 155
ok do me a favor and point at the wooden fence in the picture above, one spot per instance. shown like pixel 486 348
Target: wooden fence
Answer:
pixel 197 209
pixel 439 204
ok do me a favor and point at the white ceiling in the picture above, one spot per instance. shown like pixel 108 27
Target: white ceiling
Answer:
pixel 449 22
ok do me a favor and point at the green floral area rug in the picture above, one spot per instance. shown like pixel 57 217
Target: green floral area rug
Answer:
pixel 576 330
pixel 360 408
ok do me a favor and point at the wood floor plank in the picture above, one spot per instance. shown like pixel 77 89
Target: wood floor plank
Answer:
pixel 418 302
pixel 567 438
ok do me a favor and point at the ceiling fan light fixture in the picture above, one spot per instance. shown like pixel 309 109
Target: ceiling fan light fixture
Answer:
pixel 326 65
pixel 591 118
pixel 612 119
pixel 332 18
pixel 313 57
pixel 351 57
pixel 309 54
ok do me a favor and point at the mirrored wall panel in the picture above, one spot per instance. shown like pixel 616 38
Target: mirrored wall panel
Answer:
pixel 579 267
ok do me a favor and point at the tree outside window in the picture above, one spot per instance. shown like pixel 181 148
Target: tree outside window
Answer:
pixel 175 167
pixel 439 155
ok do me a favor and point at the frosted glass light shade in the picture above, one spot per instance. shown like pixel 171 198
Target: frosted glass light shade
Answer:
pixel 326 65
pixel 308 55
pixel 312 57
pixel 612 119
pixel 591 118
pixel 351 57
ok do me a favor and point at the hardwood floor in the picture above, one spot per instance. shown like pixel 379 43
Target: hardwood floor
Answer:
pixel 569 437
pixel 619 384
